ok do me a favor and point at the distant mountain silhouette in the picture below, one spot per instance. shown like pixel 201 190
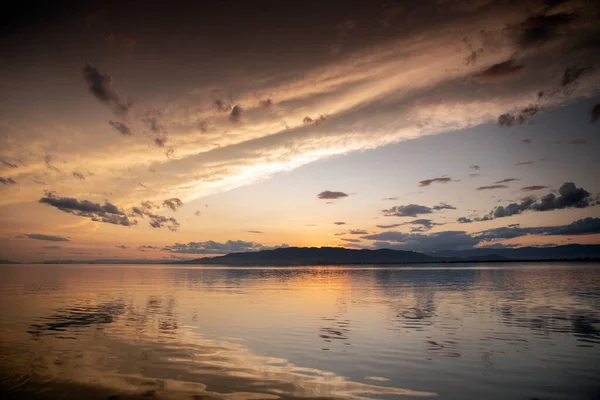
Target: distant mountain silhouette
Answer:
pixel 566 252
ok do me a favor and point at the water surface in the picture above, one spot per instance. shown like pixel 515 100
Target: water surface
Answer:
pixel 489 331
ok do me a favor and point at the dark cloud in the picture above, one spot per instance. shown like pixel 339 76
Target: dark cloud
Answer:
pixel 48 163
pixel 329 195
pixel 121 246
pixel 476 167
pixel 524 163
pixel 49 238
pixel 577 141
pixel 464 220
pixel 221 106
pixel 527 141
pixel 173 203
pixel 533 188
pixel 121 127
pixel 491 187
pixel 108 213
pixel 499 72
pixel 595 115
pixel 339 223
pixel 443 206
pixel 447 240
pixel 357 232
pixel 569 196
pixel 585 226
pixel 351 240
pixel 146 247
pixel 390 198
pixel 265 103
pixel 160 141
pixel 11 165
pixel 572 74
pixel 7 181
pixel 54 247
pixel 148 205
pixel 257 232
pixel 212 247
pixel 507 180
pixel 541 28
pixel 428 182
pixel 309 121
pixel 159 221
pixel 101 86
pixel 78 175
pixel 236 113
pixel 410 210
pixel 519 117
pixel 388 226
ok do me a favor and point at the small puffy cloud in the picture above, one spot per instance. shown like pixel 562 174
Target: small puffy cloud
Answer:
pixel 357 232
pixel 339 223
pixel 49 238
pixel 390 198
pixel 475 167
pixel 410 210
pixel 309 121
pixel 101 86
pixel 257 232
pixel 121 246
pixel 507 180
pixel 499 72
pixel 236 113
pixel 146 247
pixel 491 187
pixel 527 141
pixel 428 182
pixel 121 127
pixel 172 204
pixel 329 195
pixel 7 181
pixel 519 117
pixel 159 221
pixel 443 206
pixel 107 213
pixel 388 226
pixel 533 188
pixel 78 175
pixel 464 220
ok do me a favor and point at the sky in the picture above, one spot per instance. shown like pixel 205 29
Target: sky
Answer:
pixel 170 130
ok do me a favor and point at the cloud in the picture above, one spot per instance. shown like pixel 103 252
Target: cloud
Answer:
pixel 388 226
pixel 107 213
pixel 49 238
pixel 447 240
pixel 329 195
pixel 351 240
pixel 173 203
pixel 339 223
pixel 357 232
pixel 121 127
pixel 595 114
pixel 475 167
pixel 236 113
pixel 585 226
pixel 160 141
pixel 569 196
pixel 539 29
pixel 491 187
pixel 527 141
pixel 410 210
pixel 159 221
pixel 54 247
pixel 533 188
pixel 48 163
pixel 518 117
pixel 390 198
pixel 428 182
pixel 146 247
pixel 11 165
pixel 572 74
pixel 7 181
pixel 212 247
pixel 507 180
pixel 499 72
pixel 464 220
pixel 524 163
pixel 577 141
pixel 474 175
pixel 78 175
pixel 257 232
pixel 101 86
pixel 443 206
pixel 121 246
pixel 265 103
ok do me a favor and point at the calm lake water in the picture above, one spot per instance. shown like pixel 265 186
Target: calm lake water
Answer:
pixel 488 331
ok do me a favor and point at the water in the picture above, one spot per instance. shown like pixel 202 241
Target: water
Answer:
pixel 518 331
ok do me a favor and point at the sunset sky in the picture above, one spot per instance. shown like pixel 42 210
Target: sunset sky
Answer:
pixel 164 130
